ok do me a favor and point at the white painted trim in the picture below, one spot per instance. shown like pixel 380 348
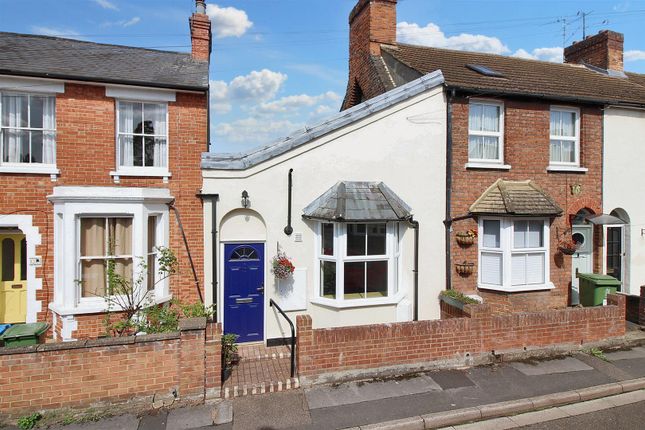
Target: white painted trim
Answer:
pixel 491 166
pixel 31 85
pixel 33 239
pixel 563 168
pixel 140 94
pixel 358 303
pixel 95 307
pixel 142 172
pixel 575 139
pixel 110 194
pixel 30 169
pixel 518 289
pixel 499 134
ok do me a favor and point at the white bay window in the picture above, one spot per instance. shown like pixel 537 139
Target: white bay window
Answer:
pixel 95 225
pixel 358 262
pixel 514 254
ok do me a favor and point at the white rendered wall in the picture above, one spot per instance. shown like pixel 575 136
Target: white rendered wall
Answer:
pixel 623 182
pixel 402 146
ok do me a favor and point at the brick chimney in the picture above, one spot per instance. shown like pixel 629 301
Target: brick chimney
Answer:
pixel 604 50
pixel 371 23
pixel 200 32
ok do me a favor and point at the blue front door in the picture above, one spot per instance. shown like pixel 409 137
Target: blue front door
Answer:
pixel 244 291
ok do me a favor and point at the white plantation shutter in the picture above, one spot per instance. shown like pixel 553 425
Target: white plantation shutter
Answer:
pixel 491 267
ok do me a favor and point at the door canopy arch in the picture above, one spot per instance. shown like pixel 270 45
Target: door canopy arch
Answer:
pixel 243 225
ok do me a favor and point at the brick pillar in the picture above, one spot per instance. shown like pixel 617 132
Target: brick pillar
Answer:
pixel 213 361
pixel 304 342
pixel 192 357
pixel 618 300
pixel 641 307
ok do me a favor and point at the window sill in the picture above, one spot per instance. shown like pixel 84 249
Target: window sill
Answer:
pixel 144 172
pixel 572 169
pixel 518 289
pixel 357 303
pixel 94 307
pixel 489 166
pixel 34 170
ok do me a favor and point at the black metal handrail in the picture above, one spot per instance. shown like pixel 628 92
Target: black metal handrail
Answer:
pixel 293 336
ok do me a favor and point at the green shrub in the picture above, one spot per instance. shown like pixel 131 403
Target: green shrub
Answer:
pixel 197 310
pixel 459 297
pixel 229 348
pixel 29 421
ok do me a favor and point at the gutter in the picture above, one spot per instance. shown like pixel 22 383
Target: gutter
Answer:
pixel 103 81
pixel 578 100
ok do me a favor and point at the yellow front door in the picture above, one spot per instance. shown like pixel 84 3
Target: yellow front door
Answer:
pixel 13 278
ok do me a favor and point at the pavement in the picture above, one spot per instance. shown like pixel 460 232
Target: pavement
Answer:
pixel 525 386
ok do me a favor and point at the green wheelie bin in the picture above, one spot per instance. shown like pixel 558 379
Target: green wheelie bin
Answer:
pixel 594 288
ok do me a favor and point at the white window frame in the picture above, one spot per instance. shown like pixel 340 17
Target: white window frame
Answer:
pixel 146 171
pixel 340 257
pixel 507 249
pixel 483 163
pixel 75 203
pixel 33 168
pixel 565 165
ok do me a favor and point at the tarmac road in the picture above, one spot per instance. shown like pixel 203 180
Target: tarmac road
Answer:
pixel 621 418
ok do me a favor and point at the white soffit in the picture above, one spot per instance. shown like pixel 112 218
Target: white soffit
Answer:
pixel 112 194
pixel 140 94
pixel 31 85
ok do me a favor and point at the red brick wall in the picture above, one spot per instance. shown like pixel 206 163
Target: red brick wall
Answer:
pixel 86 154
pixel 333 350
pixel 526 149
pixel 78 374
pixel 604 50
pixel 449 311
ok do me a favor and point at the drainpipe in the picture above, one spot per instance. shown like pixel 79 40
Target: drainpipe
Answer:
pixel 289 229
pixel 213 198
pixel 448 222
pixel 415 226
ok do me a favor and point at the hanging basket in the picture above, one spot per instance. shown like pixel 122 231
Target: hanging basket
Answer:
pixel 465 239
pixel 465 268
pixel 566 250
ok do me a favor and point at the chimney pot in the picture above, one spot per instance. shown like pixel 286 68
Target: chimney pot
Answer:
pixel 200 7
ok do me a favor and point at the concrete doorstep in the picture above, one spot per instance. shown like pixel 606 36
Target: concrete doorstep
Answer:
pixel 521 412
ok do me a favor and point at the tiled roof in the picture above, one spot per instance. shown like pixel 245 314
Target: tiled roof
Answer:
pixel 521 77
pixel 515 198
pixel 44 56
pixel 358 201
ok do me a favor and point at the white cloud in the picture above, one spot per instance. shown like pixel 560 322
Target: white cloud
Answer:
pixel 634 55
pixel 105 4
pixel 254 131
pixel 219 97
pixel 256 86
pixel 122 23
pixel 553 54
pixel 295 102
pixel 431 35
pixel 228 21
pixel 56 31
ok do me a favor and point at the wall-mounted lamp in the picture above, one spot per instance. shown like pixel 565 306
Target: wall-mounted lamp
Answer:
pixel 245 199
pixel 642 232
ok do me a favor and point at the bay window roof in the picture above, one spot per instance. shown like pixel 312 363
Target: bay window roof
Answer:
pixel 358 201
pixel 515 198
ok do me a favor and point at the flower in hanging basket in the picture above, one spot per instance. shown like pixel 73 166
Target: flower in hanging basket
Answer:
pixel 282 266
pixel 466 237
pixel 465 268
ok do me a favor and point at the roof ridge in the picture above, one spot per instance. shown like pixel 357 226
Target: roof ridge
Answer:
pixel 89 42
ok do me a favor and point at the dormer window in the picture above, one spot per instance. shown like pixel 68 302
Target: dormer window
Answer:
pixel 27 130
pixel 142 135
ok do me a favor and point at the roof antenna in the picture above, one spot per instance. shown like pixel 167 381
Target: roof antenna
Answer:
pixel 564 34
pixel 584 22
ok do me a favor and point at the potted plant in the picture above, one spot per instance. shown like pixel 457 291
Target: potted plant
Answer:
pixel 282 266
pixel 466 238
pixel 568 246
pixel 465 268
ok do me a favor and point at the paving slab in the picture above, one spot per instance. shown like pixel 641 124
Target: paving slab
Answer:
pixel 357 392
pixel 604 367
pixel 154 421
pixel 529 418
pixel 190 418
pixel 449 379
pixel 494 424
pixel 271 411
pixel 633 366
pixel 549 367
pixel 223 412
pixel 637 352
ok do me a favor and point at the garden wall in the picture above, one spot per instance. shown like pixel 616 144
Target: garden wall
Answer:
pixel 325 354
pixel 636 308
pixel 121 369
